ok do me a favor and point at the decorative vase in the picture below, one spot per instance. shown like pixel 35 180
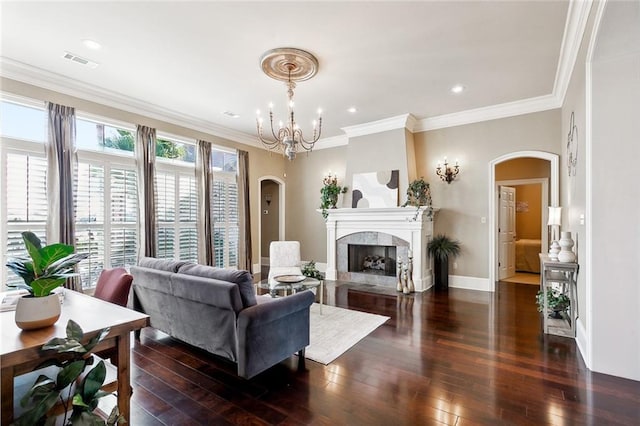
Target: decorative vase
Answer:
pixel 399 268
pixel 410 284
pixel 566 243
pixel 37 312
pixel 554 249
pixel 405 287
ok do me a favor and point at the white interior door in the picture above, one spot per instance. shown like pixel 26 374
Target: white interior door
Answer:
pixel 507 232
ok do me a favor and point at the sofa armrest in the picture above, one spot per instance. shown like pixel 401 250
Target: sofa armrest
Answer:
pixel 271 332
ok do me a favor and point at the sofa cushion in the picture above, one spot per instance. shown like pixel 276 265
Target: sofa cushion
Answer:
pixel 242 278
pixel 161 264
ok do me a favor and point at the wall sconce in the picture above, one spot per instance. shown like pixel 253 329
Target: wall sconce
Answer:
pixel 267 198
pixel 446 172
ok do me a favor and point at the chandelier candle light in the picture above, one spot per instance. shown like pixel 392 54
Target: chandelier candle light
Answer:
pixel 289 65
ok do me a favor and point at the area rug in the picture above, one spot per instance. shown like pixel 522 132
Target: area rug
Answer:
pixel 336 330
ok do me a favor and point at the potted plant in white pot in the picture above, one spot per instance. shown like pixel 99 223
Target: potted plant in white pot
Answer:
pixel 442 248
pixel 46 269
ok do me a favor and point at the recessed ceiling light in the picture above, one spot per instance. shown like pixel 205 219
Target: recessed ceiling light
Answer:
pixel 458 88
pixel 231 114
pixel 352 110
pixel 91 44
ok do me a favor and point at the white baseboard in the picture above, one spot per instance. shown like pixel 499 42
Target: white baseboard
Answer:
pixel 264 261
pixel 581 341
pixel 256 268
pixel 469 283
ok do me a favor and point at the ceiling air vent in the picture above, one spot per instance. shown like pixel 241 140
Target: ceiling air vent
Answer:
pixel 80 60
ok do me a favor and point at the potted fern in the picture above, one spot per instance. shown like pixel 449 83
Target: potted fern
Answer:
pixel 442 248
pixel 46 269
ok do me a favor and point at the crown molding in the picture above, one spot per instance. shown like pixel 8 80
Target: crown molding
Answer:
pixel 392 123
pixel 331 142
pixel 576 23
pixel 493 112
pixel 39 77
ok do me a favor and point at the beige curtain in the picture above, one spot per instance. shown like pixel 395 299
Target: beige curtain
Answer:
pixel 204 218
pixel 145 162
pixel 60 150
pixel 244 213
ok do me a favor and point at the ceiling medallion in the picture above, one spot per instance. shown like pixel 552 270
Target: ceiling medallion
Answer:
pixel 289 65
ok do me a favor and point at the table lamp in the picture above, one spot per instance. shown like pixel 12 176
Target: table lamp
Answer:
pixel 555 214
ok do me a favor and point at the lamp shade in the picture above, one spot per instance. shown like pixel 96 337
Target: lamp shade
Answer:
pixel 555 214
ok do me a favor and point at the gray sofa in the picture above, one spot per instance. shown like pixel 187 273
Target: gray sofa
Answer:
pixel 217 310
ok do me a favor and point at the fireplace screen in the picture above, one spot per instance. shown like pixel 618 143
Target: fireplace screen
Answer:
pixel 370 259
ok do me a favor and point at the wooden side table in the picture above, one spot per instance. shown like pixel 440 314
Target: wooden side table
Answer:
pixel 561 277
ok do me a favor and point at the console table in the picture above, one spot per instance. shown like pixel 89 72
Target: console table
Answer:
pixel 560 277
pixel 21 350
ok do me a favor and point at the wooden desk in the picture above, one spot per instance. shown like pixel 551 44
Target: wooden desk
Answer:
pixel 564 275
pixel 21 353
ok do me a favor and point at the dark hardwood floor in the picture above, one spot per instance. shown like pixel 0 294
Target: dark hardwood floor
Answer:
pixel 457 358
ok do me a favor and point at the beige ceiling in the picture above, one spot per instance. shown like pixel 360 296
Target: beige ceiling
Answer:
pixel 195 60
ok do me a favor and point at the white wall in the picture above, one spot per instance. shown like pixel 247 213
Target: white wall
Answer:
pixel 615 202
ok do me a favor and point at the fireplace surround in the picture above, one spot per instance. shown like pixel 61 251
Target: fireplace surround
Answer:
pixel 403 228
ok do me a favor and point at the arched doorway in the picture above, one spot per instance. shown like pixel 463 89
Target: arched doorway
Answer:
pixel 554 196
pixel 271 196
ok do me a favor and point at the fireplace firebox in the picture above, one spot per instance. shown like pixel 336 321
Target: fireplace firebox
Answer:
pixel 372 259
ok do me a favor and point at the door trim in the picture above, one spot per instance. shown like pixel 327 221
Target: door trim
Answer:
pixel 544 205
pixel 554 198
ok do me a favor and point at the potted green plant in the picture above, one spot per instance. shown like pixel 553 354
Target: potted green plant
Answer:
pixel 418 194
pixel 78 393
pixel 557 302
pixel 310 270
pixel 329 194
pixel 442 248
pixel 46 269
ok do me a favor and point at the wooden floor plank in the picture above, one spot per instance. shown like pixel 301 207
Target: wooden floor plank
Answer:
pixel 458 358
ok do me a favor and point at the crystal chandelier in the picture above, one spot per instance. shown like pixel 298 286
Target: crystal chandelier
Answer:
pixel 290 66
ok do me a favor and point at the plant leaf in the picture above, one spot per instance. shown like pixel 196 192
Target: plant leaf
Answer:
pixel 93 381
pixel 65 264
pixel 74 331
pixel 78 401
pixel 114 417
pixel 63 345
pixel 33 238
pixel 22 268
pixel 43 384
pixel 34 252
pixel 43 286
pixel 55 252
pixel 69 373
pixel 86 418
pixel 97 339
pixel 36 414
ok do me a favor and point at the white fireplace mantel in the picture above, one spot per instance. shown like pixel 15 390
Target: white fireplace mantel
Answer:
pixel 408 223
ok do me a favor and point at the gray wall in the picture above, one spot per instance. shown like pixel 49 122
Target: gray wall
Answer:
pixel 464 202
pixel 615 204
pixel 304 222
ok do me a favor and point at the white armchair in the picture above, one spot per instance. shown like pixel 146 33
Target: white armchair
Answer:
pixel 284 259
